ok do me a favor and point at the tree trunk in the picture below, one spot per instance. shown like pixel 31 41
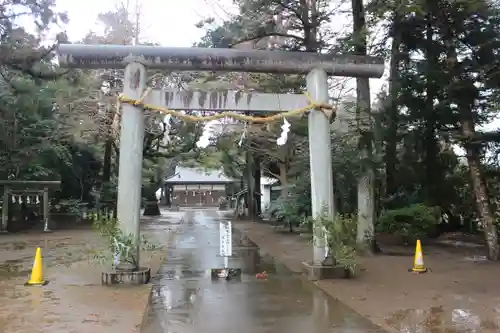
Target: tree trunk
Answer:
pixel 106 166
pixel 107 159
pixel 391 139
pixel 283 177
pixel 366 181
pixel 433 175
pixel 250 197
pixel 152 209
pixel 167 194
pixel 283 180
pixel 466 101
pixel 168 172
pixel 256 177
pixel 480 189
pixel 366 208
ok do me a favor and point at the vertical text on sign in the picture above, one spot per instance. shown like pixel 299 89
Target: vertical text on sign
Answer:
pixel 226 248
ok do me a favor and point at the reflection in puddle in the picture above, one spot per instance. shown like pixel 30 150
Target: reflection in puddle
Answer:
pixel 185 299
pixel 11 267
pixel 465 321
pixel 458 243
pixel 438 320
pixel 476 259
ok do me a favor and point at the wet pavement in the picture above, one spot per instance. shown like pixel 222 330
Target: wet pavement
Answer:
pixel 186 300
pixel 456 296
pixel 74 301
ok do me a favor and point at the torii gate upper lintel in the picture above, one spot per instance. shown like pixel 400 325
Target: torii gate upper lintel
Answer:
pixel 135 59
pixel 217 59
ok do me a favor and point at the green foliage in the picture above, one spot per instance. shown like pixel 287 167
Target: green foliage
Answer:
pixel 296 206
pixel 119 244
pixel 56 126
pixel 287 211
pixel 340 233
pixel 411 223
pixel 108 192
pixel 68 206
pixel 345 164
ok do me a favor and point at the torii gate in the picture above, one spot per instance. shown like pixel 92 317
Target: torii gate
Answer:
pixel 135 59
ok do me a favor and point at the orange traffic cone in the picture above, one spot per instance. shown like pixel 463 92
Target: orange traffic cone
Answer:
pixel 418 263
pixel 36 278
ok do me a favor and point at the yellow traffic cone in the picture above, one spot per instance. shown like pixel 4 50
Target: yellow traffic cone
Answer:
pixel 36 278
pixel 418 263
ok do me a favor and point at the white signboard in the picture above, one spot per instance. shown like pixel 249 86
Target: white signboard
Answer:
pixel 226 247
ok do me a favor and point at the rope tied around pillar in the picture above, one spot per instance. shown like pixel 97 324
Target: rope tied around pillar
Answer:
pixel 327 109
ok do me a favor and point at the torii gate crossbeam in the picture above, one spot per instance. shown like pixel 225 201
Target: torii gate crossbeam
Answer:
pixel 135 59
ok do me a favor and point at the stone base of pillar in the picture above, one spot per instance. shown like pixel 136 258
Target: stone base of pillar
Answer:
pixel 322 272
pixel 138 277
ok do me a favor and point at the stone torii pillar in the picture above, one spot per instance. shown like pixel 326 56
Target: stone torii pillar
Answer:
pixel 130 160
pixel 316 66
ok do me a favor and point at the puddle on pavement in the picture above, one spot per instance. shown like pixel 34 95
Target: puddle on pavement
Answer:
pixel 458 243
pixel 185 299
pixel 13 246
pixel 13 268
pixel 439 320
pixel 476 259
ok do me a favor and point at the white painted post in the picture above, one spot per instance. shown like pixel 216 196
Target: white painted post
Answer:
pixel 226 244
pixel 5 209
pixel 320 160
pixel 130 164
pixel 46 210
pixel 225 234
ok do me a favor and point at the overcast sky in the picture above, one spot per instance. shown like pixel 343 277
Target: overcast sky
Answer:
pixel 168 22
